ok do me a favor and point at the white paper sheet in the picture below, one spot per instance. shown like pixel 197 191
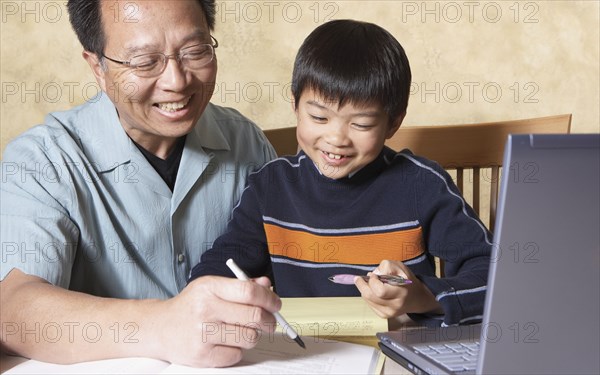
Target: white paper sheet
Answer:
pixel 274 354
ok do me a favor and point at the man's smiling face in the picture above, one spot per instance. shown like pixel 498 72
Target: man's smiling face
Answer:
pixel 156 111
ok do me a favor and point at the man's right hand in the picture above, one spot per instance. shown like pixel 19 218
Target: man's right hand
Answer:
pixel 207 325
pixel 213 319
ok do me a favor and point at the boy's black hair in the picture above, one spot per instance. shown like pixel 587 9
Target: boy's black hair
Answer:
pixel 86 20
pixel 353 61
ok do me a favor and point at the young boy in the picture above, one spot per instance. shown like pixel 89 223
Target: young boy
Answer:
pixel 346 204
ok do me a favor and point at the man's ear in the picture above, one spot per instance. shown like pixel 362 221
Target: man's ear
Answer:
pixel 94 62
pixel 395 125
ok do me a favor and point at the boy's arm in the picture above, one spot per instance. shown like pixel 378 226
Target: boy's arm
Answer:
pixel 48 323
pixel 454 233
pixel 244 241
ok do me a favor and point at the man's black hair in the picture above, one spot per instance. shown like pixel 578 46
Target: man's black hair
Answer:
pixel 86 20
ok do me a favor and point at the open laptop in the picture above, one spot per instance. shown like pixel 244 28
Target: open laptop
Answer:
pixel 542 307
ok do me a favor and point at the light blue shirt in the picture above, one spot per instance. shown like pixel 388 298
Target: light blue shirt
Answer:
pixel 82 208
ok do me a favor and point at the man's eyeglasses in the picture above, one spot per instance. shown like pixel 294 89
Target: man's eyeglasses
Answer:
pixel 153 64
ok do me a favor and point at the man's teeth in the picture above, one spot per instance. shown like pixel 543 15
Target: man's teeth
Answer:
pixel 334 156
pixel 172 107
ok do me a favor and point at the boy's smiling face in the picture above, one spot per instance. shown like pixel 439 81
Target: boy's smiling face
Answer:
pixel 341 140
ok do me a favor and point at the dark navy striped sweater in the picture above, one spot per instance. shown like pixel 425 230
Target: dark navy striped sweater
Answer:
pixel 300 227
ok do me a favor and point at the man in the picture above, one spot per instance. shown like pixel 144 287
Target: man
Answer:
pixel 132 186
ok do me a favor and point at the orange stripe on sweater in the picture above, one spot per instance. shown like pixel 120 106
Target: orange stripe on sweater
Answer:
pixel 351 249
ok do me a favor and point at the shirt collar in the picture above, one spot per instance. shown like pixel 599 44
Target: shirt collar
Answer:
pixel 207 133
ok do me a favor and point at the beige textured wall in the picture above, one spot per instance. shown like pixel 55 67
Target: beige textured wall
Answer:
pixel 472 60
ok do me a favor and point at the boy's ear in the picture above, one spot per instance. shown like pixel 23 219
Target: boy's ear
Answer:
pixel 96 66
pixel 395 125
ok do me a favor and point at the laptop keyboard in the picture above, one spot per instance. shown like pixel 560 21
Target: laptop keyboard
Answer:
pixel 454 356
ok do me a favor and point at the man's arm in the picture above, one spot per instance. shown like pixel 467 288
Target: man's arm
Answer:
pixel 206 325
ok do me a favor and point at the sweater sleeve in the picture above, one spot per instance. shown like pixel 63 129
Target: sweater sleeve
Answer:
pixel 453 233
pixel 244 241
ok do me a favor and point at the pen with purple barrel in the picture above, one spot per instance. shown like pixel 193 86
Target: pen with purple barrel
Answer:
pixel 348 279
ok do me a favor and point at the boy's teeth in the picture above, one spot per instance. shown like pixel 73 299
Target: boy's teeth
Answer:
pixel 334 156
pixel 174 106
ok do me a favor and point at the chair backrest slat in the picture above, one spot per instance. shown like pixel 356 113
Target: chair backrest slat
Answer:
pixel 476 190
pixel 460 180
pixel 494 188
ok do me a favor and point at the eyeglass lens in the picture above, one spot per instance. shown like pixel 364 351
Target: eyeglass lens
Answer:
pixel 153 64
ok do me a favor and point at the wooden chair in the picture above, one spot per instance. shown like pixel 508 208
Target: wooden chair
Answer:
pixel 472 148
pixel 283 140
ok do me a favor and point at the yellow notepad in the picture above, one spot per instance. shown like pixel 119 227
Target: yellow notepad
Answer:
pixel 347 319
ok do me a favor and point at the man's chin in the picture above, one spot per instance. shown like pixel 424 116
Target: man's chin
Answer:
pixel 171 130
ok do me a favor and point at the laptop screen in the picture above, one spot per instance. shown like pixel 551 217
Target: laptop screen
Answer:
pixel 542 304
